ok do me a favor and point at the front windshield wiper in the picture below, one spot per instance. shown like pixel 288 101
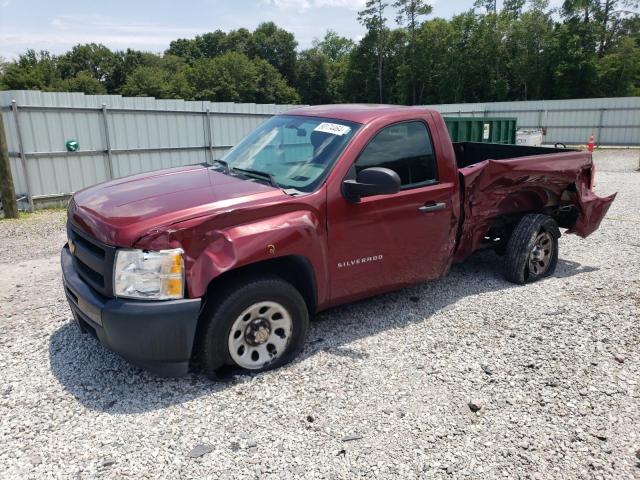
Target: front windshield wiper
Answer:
pixel 250 172
pixel 224 164
pixel 257 173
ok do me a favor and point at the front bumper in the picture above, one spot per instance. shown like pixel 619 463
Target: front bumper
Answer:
pixel 155 335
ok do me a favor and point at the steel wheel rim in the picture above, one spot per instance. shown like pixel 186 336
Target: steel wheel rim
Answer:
pixel 540 256
pixel 260 335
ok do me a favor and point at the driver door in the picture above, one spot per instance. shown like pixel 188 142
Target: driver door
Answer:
pixel 386 241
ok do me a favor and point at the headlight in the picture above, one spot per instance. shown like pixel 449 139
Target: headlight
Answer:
pixel 149 275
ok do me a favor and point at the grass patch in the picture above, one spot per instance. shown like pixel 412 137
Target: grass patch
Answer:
pixel 30 216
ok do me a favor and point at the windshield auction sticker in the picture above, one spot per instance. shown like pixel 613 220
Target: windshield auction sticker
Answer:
pixel 332 128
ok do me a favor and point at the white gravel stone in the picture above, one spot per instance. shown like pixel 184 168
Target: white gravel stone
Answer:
pixel 398 369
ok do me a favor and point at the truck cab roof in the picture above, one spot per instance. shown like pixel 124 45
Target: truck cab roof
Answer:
pixel 355 112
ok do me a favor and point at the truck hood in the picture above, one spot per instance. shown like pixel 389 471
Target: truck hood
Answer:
pixel 121 211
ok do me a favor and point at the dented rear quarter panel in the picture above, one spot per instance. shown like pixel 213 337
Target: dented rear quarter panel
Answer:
pixel 492 188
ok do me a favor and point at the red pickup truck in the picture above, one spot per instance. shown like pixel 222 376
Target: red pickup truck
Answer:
pixel 225 263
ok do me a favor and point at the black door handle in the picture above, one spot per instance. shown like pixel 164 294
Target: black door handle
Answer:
pixel 432 207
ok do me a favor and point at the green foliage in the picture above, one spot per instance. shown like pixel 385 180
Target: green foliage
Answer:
pixel 508 50
pixel 321 70
pixel 313 77
pixel 409 14
pixel 619 69
pixel 234 77
pixel 276 46
pixel 335 47
pixel 158 82
pixel 373 17
pixel 32 71
pixel 83 81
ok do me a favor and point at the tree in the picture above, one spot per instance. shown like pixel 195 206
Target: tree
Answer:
pixel 276 46
pixel 490 6
pixel 272 87
pixel 619 70
pixel 336 49
pixel 240 41
pixel 234 77
pixel 573 56
pixel 313 77
pixel 409 13
pixel 227 78
pixel 362 79
pixel 512 9
pixel 523 51
pixel 126 62
pixel 606 18
pixel 158 82
pixel 610 16
pixel 372 17
pixel 3 65
pixel 434 61
pixel 185 48
pixel 211 44
pixel 95 59
pixel 528 43
pixel 83 82
pixel 32 71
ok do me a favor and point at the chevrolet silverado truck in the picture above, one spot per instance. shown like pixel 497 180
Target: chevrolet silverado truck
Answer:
pixel 221 265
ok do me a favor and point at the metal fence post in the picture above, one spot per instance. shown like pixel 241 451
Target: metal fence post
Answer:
pixel 209 135
pixel 602 110
pixel 107 140
pixel 540 113
pixel 23 158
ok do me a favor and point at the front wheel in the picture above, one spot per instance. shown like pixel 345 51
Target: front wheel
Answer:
pixel 532 250
pixel 255 325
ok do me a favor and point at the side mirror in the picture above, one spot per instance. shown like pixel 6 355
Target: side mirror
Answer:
pixel 371 181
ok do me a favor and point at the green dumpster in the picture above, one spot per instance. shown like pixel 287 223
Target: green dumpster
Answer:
pixel 482 129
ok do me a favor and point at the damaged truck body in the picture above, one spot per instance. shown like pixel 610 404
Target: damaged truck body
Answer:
pixel 224 264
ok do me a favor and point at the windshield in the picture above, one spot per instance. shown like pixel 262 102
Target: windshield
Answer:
pixel 292 152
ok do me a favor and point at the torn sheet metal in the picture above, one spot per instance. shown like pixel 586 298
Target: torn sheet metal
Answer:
pixel 492 188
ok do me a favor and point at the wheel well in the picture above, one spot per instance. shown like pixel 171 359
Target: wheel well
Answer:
pixel 519 204
pixel 295 269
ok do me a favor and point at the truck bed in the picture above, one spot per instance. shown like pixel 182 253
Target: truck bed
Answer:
pixel 470 153
pixel 499 181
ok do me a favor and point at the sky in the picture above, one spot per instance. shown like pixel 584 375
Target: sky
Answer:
pixel 57 25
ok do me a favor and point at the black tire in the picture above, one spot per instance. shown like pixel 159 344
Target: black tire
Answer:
pixel 520 249
pixel 224 308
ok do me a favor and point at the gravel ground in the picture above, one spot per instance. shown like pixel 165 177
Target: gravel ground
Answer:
pixel 35 235
pixel 385 387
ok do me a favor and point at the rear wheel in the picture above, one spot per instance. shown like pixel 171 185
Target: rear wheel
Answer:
pixel 532 251
pixel 255 325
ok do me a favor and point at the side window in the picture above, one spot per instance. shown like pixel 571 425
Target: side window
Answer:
pixel 405 148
